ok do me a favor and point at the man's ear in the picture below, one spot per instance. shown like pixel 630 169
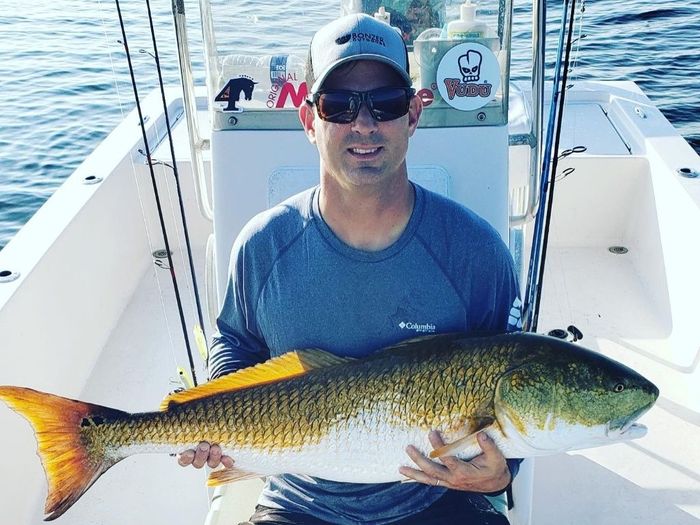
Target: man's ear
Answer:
pixel 308 121
pixel 415 109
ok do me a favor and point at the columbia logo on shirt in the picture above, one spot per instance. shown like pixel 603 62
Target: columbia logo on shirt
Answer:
pixel 419 328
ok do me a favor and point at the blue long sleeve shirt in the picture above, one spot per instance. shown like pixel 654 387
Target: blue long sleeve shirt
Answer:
pixel 294 284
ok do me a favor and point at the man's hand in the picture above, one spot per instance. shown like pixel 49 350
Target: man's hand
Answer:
pixel 486 473
pixel 205 454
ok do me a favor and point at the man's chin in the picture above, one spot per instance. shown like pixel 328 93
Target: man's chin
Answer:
pixel 367 176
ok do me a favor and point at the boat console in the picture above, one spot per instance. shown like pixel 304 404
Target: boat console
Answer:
pixel 260 155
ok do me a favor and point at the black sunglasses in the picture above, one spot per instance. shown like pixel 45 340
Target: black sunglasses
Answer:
pixel 342 107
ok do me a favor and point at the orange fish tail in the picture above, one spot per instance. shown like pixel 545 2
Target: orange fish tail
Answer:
pixel 63 429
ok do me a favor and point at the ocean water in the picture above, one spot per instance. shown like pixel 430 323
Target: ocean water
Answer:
pixel 64 82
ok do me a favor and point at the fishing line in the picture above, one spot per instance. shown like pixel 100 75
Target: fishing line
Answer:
pixel 147 231
pixel 574 69
pixel 555 162
pixel 155 192
pixel 111 61
pixel 177 181
pixel 142 206
pixel 579 38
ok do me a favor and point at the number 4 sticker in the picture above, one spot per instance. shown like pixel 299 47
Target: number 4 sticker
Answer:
pixel 231 92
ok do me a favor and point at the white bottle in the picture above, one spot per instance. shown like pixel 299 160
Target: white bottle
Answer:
pixel 383 15
pixel 467 26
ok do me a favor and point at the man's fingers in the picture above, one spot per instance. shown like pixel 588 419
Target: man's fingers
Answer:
pixel 431 468
pixel 185 458
pixel 214 456
pixel 205 454
pixel 417 475
pixel 217 457
pixel 422 477
pixel 488 446
pixel 436 439
pixel 201 455
pixel 487 472
pixel 453 463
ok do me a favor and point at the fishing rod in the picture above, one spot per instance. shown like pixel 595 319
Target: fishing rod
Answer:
pixel 156 193
pixel 540 238
pixel 533 267
pixel 200 334
pixel 555 161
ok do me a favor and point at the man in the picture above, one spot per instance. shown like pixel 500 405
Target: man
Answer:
pixel 356 264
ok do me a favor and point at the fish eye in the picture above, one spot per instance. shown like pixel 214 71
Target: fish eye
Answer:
pixel 619 387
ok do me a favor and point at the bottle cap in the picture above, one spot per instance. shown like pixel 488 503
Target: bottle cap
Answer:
pixel 467 11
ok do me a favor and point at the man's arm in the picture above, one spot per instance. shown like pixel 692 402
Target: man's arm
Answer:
pixel 234 347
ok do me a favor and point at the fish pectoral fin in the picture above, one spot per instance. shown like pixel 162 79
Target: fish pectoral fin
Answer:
pixel 229 475
pixel 286 366
pixel 453 448
pixel 475 426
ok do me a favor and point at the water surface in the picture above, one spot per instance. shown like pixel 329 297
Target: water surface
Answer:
pixel 64 81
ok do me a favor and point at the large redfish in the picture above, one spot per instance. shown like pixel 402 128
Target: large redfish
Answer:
pixel 310 412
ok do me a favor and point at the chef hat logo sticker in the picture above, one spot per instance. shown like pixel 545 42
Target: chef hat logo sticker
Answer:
pixel 468 76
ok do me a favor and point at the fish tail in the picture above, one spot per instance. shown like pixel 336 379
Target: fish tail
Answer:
pixel 66 432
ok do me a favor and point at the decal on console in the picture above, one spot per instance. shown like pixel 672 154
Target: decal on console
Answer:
pixel 468 76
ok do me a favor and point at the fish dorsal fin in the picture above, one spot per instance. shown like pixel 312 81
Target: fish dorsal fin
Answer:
pixel 286 366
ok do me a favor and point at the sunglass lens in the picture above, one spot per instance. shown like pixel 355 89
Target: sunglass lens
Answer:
pixel 389 103
pixel 337 107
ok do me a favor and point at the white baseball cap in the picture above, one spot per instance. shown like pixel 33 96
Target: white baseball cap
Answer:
pixel 356 37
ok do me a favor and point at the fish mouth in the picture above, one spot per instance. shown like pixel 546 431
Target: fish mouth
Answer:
pixel 629 430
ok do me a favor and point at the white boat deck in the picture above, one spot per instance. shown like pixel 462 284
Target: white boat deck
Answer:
pixel 655 479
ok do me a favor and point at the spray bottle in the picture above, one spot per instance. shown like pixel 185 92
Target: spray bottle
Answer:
pixel 383 15
pixel 467 25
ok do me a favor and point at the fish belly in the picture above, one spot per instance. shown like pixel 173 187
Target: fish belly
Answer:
pixel 350 452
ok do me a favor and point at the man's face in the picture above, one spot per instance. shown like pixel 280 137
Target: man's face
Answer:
pixel 363 152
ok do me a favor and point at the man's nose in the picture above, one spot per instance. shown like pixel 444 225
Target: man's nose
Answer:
pixel 364 123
